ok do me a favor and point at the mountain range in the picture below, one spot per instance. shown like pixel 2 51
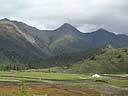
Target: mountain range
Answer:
pixel 21 43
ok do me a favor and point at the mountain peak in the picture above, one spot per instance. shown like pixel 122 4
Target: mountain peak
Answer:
pixel 67 28
pixel 102 30
pixel 5 19
pixel 67 25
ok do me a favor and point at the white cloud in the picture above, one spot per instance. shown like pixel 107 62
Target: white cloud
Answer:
pixel 87 28
pixel 83 14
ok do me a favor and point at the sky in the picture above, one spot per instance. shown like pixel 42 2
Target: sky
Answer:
pixel 85 15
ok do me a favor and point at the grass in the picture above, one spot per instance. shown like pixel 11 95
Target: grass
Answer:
pixel 58 78
pixel 66 79
pixel 42 75
pixel 117 75
pixel 119 83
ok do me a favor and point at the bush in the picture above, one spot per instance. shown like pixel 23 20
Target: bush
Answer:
pixel 23 90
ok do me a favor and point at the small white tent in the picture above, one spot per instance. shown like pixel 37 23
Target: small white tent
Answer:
pixel 96 76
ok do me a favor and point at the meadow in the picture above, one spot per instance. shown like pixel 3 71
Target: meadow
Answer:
pixel 61 84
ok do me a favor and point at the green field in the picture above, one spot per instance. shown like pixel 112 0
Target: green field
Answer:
pixel 112 79
pixel 66 79
pixel 41 76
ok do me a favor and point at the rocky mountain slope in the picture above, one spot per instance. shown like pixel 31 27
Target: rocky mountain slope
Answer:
pixel 16 46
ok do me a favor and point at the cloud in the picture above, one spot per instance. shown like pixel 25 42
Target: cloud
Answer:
pixel 86 15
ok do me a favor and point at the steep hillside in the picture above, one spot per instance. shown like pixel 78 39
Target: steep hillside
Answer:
pixel 67 59
pixel 110 60
pixel 16 46
pixel 65 39
pixel 103 37
pixel 68 39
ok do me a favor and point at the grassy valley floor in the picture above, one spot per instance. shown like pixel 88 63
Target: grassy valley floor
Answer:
pixel 63 84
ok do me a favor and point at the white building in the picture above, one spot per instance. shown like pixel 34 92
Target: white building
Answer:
pixel 96 76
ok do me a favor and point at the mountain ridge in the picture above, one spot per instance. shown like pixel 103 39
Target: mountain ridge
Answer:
pixel 16 45
pixel 65 39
